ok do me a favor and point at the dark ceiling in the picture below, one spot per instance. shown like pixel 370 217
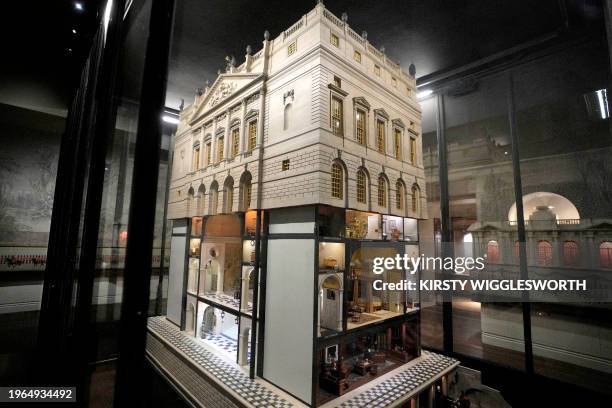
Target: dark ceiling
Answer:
pixel 42 57
pixel 433 34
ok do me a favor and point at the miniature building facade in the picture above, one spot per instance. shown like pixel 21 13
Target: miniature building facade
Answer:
pixel 290 173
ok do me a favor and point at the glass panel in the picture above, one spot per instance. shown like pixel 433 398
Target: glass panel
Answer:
pixel 429 229
pixel 565 148
pixel 481 189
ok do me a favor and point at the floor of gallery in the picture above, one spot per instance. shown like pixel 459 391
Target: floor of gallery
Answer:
pixel 400 383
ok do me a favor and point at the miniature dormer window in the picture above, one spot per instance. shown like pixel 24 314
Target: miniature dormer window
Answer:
pixel 377 70
pixel 292 48
pixel 357 56
pixel 334 40
pixel 394 82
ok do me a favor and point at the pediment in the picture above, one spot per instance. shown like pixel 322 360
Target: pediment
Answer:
pixel 382 113
pixel 399 123
pixel 222 89
pixel 360 100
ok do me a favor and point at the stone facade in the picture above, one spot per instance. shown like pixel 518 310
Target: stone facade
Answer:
pixel 279 101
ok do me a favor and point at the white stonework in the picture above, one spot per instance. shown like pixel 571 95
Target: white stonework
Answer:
pixel 287 88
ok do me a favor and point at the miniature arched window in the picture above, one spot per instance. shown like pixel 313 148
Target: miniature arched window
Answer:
pixel 382 191
pixel 245 191
pixel 416 198
pixel 517 252
pixel 570 253
pixel 214 198
pixel 337 178
pixel 190 195
pixel 605 254
pixel 361 186
pixel 287 115
pixel 492 252
pixel 228 195
pixel 201 195
pixel 544 253
pixel 400 192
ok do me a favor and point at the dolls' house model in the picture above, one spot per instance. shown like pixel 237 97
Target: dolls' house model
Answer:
pixel 291 172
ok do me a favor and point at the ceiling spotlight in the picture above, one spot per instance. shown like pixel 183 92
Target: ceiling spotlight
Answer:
pixel 78 6
pixel 424 94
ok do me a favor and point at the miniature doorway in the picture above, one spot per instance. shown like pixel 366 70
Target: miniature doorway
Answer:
pixel 209 321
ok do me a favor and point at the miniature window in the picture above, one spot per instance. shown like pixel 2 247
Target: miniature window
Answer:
pixel 605 254
pixel 285 165
pixel 393 227
pixel 377 70
pixel 235 141
pixel 544 251
pixel 220 142
pixel 214 199
pixel 252 135
pixel 337 82
pixel 400 191
pixel 357 56
pixel 336 113
pixel 361 186
pixel 397 143
pixel 415 199
pixel 336 180
pixel 413 151
pixel 570 253
pixel 380 136
pixel 334 40
pixel 360 126
pixel 493 252
pixel 196 157
pixel 394 82
pixel 361 225
pixel 292 48
pixel 208 149
pixel 382 192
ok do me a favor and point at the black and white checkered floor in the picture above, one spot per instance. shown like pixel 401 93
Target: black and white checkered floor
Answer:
pixel 229 374
pixel 224 343
pixel 402 383
pixel 378 395
pixel 227 300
